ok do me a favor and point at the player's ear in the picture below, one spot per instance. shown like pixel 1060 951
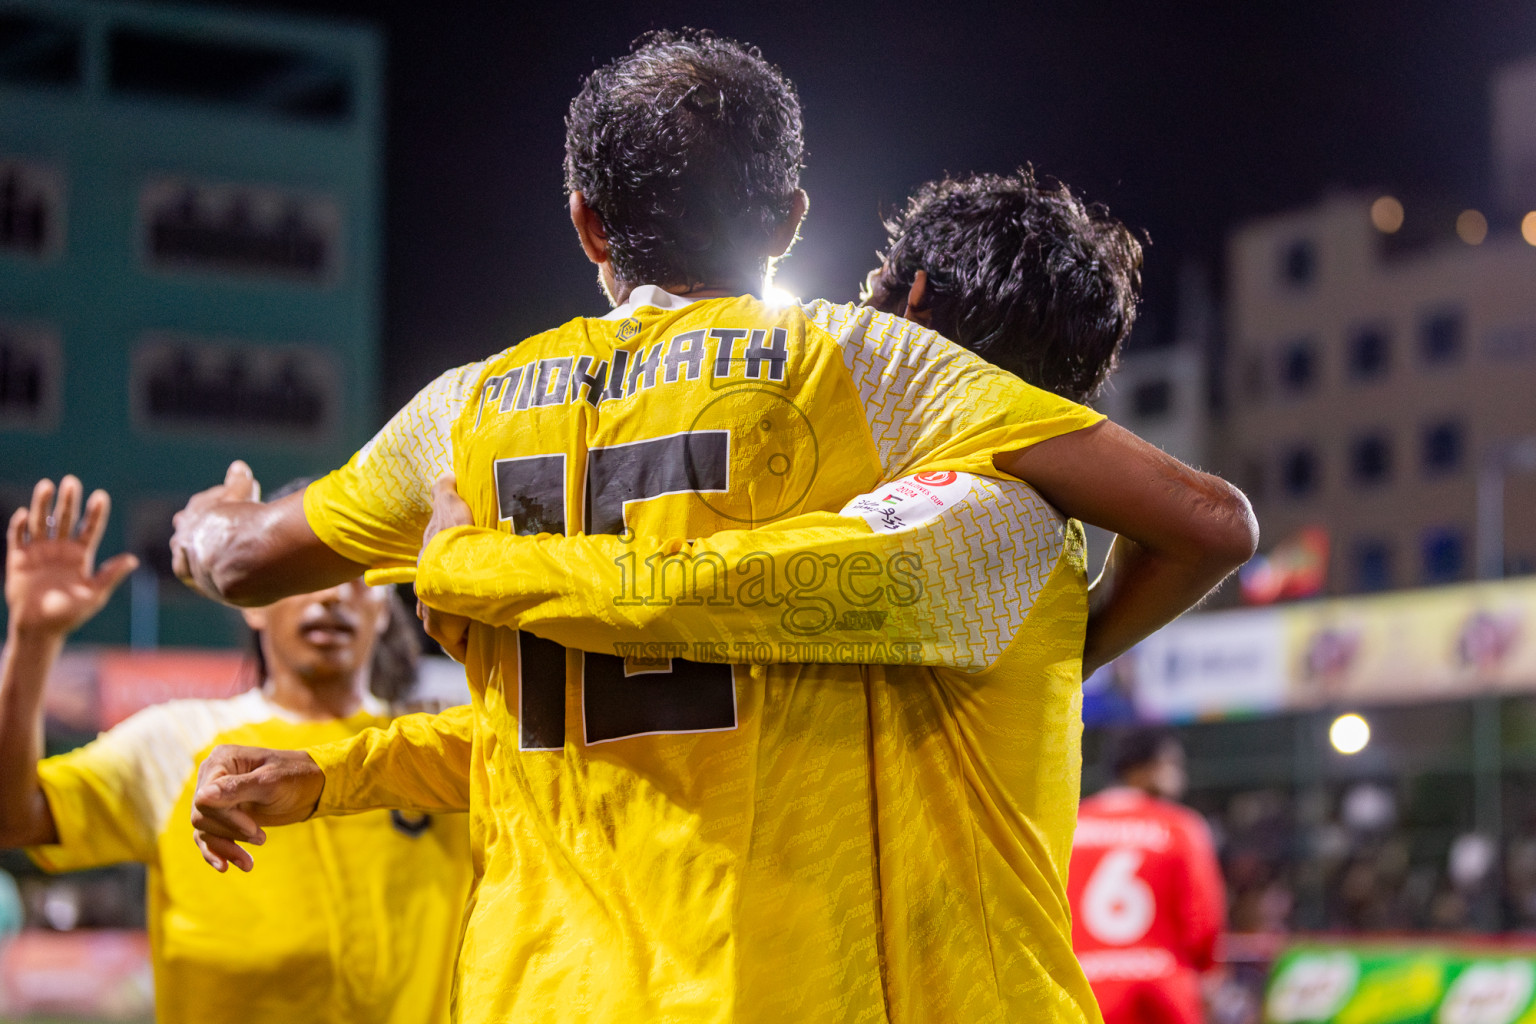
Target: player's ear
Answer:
pixel 589 228
pixel 785 234
pixel 255 618
pixel 917 300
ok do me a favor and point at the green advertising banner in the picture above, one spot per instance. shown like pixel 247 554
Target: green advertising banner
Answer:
pixel 1362 983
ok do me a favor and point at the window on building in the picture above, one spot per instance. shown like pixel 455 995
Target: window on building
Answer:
pixel 247 229
pixel 31 209
pixel 1441 337
pixel 1443 447
pixel 1152 399
pixel 1373 565
pixel 274 79
pixel 1298 366
pixel 1444 555
pixel 1370 459
pixel 1370 353
pixel 1298 263
pixel 189 384
pixel 29 377
pixel 1300 473
pixel 37 50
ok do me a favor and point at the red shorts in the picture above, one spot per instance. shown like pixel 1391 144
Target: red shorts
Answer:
pixel 1171 1000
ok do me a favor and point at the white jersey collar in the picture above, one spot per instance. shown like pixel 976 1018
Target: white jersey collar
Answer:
pixel 256 697
pixel 647 295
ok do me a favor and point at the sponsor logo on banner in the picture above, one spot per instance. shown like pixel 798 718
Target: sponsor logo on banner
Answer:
pixel 1415 645
pixel 1375 982
pixel 1490 992
pixel 1212 665
pixel 1312 987
pixel 1403 647
pixel 910 501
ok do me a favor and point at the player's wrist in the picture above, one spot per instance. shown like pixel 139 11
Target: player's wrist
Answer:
pixel 23 637
pixel 312 780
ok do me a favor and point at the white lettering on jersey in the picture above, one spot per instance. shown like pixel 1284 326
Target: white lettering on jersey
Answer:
pixel 1127 964
pixel 1135 832
pixel 1118 907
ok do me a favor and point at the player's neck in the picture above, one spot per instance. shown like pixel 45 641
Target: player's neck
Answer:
pixel 321 698
pixel 621 290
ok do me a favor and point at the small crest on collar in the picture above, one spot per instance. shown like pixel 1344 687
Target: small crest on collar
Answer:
pixel 412 825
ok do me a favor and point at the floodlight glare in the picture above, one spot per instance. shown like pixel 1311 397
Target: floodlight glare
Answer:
pixel 773 295
pixel 1349 734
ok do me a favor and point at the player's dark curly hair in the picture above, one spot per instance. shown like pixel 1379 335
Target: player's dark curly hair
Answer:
pixel 1137 746
pixel 689 148
pixel 1020 272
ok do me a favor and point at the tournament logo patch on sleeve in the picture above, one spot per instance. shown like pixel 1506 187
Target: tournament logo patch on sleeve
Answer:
pixel 910 501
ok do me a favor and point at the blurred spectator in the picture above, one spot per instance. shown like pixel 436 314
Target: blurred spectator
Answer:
pixel 1145 889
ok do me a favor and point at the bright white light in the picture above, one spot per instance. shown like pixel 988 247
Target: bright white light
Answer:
pixel 773 295
pixel 1349 734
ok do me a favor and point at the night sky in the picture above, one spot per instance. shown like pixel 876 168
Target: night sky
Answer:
pixel 1185 118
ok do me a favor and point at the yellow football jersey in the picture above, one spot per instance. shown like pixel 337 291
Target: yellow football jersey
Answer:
pixel 347 919
pixel 673 839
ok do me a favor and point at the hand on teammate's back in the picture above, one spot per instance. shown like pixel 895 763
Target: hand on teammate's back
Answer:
pixel 448 510
pixel 51 584
pixel 240 789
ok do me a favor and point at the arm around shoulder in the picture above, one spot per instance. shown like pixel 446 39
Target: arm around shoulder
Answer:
pixel 1180 531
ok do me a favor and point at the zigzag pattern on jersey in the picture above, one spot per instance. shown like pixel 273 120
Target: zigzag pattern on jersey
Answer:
pixel 406 457
pixel 910 380
pixel 981 591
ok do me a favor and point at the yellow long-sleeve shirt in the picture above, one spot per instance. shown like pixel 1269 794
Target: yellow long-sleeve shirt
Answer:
pixel 677 840
pixel 348 919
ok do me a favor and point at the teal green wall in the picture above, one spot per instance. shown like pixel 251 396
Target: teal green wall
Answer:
pixel 101 299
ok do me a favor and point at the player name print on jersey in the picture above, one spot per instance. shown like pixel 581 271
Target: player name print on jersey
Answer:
pixel 712 352
pixel 1133 832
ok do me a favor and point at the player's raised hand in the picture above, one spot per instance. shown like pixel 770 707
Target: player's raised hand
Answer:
pixel 240 789
pixel 448 510
pixel 239 485
pixel 51 583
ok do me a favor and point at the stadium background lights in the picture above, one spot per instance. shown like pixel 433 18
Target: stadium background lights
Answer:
pixel 1528 228
pixel 1472 227
pixel 1349 734
pixel 1387 214
pixel 776 295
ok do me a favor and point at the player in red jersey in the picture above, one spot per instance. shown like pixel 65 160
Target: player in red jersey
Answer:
pixel 1145 889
